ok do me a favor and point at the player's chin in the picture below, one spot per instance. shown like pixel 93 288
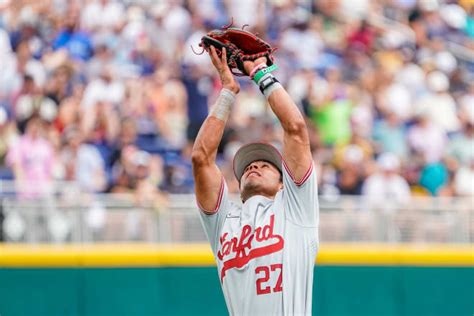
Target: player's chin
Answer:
pixel 252 183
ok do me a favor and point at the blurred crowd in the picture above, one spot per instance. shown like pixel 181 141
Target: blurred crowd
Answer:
pixel 110 95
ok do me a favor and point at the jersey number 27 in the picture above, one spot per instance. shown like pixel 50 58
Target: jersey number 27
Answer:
pixel 264 276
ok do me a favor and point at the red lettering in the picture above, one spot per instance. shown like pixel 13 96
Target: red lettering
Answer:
pixel 265 232
pixel 241 246
pixel 278 287
pixel 266 276
pixel 260 282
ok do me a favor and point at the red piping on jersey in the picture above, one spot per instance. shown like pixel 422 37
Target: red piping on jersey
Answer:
pixel 219 200
pixel 305 177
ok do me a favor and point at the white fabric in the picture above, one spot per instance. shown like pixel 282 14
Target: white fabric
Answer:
pixel 466 104
pixel 441 109
pixel 192 59
pixel 96 15
pixel 268 91
pixel 89 167
pixel 398 100
pixel 11 80
pixel 305 45
pixel 379 188
pixel 99 90
pixel 265 249
pixel 433 149
pixel 244 11
pixel 412 77
pixel 177 22
pixel 5 47
pixel 464 181
pixel 223 105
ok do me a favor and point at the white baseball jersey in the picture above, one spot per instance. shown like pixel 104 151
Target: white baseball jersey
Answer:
pixel 265 249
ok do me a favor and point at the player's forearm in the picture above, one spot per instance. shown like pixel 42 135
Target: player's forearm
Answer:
pixel 296 148
pixel 287 112
pixel 281 103
pixel 210 134
pixel 207 141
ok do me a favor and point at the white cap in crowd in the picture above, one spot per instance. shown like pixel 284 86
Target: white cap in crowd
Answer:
pixel 388 162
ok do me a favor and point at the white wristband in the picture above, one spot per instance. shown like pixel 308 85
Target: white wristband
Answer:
pixel 268 91
pixel 223 105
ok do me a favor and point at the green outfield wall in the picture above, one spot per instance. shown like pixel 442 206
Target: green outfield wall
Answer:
pixel 157 281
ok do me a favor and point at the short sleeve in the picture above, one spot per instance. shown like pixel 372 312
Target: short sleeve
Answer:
pixel 300 198
pixel 213 222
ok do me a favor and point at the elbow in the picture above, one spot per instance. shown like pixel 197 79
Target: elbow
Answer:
pixel 198 157
pixel 296 128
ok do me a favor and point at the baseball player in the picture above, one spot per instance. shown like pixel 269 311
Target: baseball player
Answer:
pixel 265 249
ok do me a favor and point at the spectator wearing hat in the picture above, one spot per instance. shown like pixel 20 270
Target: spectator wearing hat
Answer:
pixel 439 104
pixel 386 184
pixel 350 175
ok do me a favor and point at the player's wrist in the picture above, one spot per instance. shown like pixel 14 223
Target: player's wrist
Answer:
pixel 228 92
pixel 266 81
pixel 263 73
pixel 223 106
pixel 257 68
pixel 234 88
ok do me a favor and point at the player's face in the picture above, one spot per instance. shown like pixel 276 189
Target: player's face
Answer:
pixel 260 177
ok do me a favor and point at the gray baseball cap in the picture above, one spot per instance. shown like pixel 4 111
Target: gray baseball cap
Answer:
pixel 253 152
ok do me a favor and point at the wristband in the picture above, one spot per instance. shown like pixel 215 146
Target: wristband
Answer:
pixel 257 68
pixel 269 90
pixel 267 81
pixel 223 105
pixel 263 72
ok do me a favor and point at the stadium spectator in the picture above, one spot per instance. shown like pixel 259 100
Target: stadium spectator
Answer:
pixel 460 147
pixel 32 159
pixel 386 184
pixel 439 103
pixel 77 43
pixel 83 162
pixel 390 134
pixel 332 115
pixel 464 180
pixel 422 130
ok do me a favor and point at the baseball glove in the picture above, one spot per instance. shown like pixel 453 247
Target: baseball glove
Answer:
pixel 240 46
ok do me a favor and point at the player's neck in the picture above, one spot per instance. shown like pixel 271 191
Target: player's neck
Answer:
pixel 258 194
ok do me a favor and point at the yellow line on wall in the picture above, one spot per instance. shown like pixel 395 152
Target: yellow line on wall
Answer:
pixel 396 254
pixel 162 255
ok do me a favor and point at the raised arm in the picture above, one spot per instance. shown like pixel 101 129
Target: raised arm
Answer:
pixel 296 149
pixel 207 176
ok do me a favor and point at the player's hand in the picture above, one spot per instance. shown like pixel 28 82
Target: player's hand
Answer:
pixel 250 65
pixel 227 79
